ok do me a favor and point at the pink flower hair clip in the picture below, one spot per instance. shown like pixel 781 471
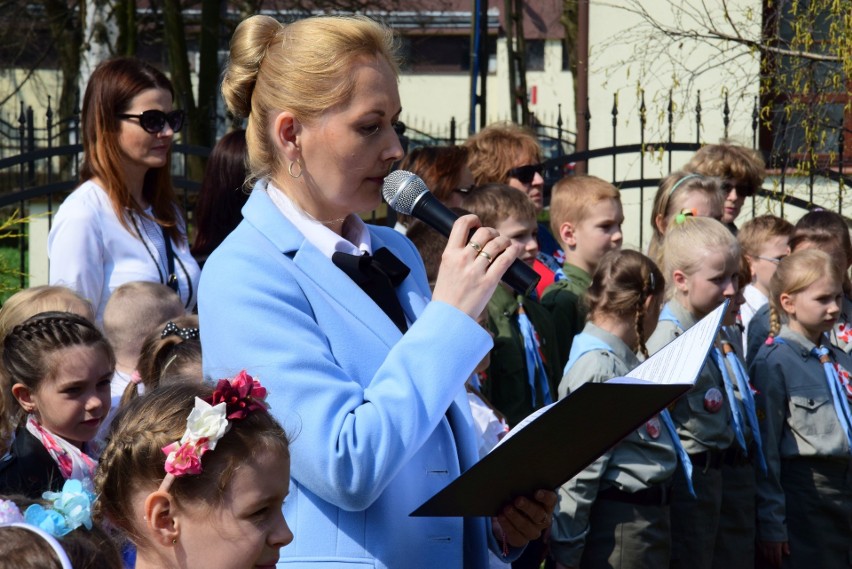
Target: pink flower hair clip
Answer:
pixel 232 400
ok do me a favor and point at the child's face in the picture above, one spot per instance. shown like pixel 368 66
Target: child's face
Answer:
pixel 710 285
pixel 74 402
pixel 248 529
pixel 522 232
pixel 737 300
pixel 597 234
pixel 763 266
pixel 815 309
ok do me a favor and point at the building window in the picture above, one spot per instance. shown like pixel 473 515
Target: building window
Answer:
pixel 441 53
pixel 535 55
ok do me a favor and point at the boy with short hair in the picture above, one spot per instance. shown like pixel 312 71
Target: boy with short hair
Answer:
pixel 524 371
pixel 764 241
pixel 586 216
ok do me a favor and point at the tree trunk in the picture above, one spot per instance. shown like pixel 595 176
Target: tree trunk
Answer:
pixel 100 36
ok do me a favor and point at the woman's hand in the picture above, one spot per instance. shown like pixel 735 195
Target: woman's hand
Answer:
pixel 773 551
pixel 471 268
pixel 525 519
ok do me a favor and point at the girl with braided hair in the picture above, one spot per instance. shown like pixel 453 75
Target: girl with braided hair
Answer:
pixel 196 477
pixel 57 368
pixel 617 509
pixel 804 503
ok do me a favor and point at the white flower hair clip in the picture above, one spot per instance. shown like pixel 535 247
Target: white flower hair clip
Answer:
pixel 208 422
pixel 69 509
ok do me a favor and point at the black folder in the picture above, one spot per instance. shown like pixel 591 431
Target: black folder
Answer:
pixel 566 437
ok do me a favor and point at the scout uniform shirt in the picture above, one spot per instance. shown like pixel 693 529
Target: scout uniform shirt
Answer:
pixel 645 458
pixel 507 385
pixel 702 416
pixel 797 418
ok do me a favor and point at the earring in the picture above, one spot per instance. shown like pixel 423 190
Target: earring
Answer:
pixel 290 169
pixel 174 541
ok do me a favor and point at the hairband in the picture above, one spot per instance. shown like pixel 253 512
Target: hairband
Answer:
pixel 69 509
pixel 681 217
pixel 182 333
pixel 682 180
pixel 232 400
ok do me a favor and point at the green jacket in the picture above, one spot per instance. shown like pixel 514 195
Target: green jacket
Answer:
pixel 564 300
pixel 507 384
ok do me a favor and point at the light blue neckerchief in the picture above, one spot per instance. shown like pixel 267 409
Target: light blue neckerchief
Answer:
pixel 748 403
pixel 841 407
pixel 584 343
pixel 536 373
pixel 732 398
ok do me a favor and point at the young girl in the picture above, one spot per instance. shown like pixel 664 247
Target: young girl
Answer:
pixel 615 513
pixel 171 354
pixel 701 264
pixel 196 477
pixel 17 308
pixel 56 368
pixel 805 501
pixel 680 193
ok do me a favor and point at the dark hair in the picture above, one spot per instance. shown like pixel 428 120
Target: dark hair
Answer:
pixel 133 459
pixel 223 193
pixel 29 347
pixel 166 360
pixel 111 89
pixel 622 283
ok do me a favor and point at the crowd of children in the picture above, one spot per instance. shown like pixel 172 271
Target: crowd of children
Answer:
pixel 752 467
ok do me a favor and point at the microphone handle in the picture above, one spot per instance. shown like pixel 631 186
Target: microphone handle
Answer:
pixel 520 276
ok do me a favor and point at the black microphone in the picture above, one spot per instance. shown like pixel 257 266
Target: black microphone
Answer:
pixel 407 194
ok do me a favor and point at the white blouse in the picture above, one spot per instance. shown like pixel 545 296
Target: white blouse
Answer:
pixel 92 253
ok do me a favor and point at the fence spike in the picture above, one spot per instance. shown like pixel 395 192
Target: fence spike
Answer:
pixel 726 114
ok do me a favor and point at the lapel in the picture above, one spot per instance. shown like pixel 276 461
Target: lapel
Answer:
pixel 318 270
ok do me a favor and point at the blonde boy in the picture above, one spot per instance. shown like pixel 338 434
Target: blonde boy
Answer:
pixel 764 241
pixel 586 218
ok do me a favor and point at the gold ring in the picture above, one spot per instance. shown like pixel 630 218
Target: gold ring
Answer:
pixel 476 246
pixel 487 256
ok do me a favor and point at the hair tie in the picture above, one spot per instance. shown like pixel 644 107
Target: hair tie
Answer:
pixel 681 217
pixel 232 400
pixel 135 378
pixel 182 333
pixel 651 283
pixel 682 180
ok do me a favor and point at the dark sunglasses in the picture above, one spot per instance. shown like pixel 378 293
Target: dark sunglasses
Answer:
pixel 154 121
pixel 525 174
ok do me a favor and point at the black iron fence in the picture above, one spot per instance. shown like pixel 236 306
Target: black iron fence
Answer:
pixel 40 154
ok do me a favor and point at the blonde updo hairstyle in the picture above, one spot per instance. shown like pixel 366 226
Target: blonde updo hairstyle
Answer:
pixel 133 461
pixel 689 241
pixel 795 273
pixel 305 67
pixel 620 286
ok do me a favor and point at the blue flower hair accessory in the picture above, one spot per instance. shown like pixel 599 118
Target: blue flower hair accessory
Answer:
pixel 70 509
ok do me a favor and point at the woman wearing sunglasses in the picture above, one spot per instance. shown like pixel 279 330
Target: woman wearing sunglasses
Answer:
pixel 123 222
pixel 506 153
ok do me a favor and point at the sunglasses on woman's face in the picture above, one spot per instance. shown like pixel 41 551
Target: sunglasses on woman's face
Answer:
pixel 155 121
pixel 525 174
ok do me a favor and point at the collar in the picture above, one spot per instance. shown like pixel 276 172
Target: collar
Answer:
pixel 355 239
pixel 621 350
pixel 577 275
pixel 753 297
pixel 684 317
pixel 504 301
pixel 797 341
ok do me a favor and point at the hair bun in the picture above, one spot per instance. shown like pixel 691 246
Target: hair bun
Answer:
pixel 248 48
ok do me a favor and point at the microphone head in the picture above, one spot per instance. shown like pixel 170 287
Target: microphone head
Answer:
pixel 402 189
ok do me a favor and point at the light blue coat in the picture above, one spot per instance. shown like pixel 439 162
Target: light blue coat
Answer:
pixel 379 421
